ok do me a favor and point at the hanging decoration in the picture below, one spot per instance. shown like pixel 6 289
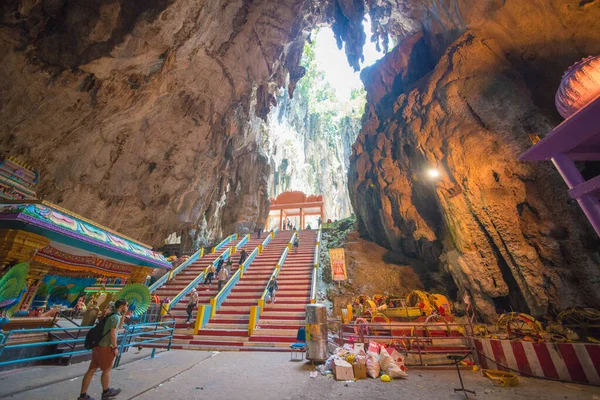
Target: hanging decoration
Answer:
pixel 579 86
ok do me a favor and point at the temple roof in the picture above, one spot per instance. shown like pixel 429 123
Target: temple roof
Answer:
pixel 62 226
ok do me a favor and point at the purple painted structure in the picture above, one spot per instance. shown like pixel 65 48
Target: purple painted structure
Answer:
pixel 576 139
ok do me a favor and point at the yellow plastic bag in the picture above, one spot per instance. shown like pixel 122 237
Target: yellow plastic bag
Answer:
pixel 501 378
pixel 385 378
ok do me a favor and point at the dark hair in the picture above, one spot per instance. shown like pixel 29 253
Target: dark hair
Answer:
pixel 120 303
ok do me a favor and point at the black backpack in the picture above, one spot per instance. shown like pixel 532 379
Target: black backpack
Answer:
pixel 95 335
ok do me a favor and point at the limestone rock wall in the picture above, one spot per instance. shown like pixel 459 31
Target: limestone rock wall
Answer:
pixel 139 114
pixel 465 88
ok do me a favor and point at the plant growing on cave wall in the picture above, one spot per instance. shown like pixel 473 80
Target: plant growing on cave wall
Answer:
pixel 310 137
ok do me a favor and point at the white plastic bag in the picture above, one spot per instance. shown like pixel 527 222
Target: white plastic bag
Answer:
pixel 389 365
pixel 373 368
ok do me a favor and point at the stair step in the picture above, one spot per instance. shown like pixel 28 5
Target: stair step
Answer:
pixel 223 332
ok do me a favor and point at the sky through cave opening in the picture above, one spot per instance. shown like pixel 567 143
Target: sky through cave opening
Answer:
pixel 309 137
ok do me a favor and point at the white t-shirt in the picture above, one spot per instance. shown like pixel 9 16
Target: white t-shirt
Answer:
pixel 223 274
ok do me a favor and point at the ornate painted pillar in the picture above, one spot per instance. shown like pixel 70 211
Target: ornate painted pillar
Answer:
pixel 301 220
pixel 37 272
pixel 280 219
pixel 139 274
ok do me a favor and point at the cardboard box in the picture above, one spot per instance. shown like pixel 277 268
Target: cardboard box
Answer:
pixel 360 371
pixel 343 370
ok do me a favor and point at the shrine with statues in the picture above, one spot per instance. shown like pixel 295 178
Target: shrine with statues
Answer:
pixel 49 255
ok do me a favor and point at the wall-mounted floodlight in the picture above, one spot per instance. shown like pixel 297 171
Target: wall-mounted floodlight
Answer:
pixel 433 173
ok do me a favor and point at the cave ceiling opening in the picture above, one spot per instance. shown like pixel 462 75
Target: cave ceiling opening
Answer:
pixel 309 137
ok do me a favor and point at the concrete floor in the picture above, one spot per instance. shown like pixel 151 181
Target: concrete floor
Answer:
pixel 179 375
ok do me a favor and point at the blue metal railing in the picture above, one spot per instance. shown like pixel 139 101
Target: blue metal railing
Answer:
pixel 216 301
pixel 275 274
pixel 224 242
pixel 124 339
pixel 167 277
pixel 195 281
pixel 242 243
pixel 267 241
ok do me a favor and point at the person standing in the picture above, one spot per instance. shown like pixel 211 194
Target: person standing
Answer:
pixel 210 272
pixel 104 355
pixel 243 256
pixel 296 244
pixel 222 277
pixel 192 304
pixel 319 221
pixel 273 286
pixel 229 265
pixel 220 264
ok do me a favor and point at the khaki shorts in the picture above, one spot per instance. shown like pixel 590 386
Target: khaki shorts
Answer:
pixel 102 357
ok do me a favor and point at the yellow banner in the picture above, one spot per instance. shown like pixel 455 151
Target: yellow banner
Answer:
pixel 337 259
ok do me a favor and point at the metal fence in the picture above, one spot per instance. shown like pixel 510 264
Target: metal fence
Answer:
pixel 426 343
pixel 130 336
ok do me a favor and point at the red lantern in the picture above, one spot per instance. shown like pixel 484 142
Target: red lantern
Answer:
pixel 579 86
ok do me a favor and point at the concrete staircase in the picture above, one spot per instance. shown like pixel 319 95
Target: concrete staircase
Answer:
pixel 279 323
pixel 228 329
pixel 185 277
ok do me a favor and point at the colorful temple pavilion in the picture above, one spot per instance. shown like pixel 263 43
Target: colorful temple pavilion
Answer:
pixel 294 204
pixel 576 139
pixel 58 242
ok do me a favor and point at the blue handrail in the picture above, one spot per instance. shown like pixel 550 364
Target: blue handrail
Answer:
pixel 267 240
pixel 167 277
pixel 275 274
pixel 224 242
pixel 124 339
pixel 216 301
pixel 196 280
pixel 242 243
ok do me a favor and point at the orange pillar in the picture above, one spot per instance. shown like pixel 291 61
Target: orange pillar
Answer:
pixel 301 219
pixel 280 219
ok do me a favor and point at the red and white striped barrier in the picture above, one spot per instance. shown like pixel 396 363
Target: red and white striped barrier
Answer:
pixel 574 362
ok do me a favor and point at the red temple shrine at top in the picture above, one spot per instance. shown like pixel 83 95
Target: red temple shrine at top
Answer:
pixel 295 204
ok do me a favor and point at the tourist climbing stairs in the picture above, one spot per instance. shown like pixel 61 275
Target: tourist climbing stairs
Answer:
pixel 227 329
pixel 278 324
pixel 229 326
pixel 179 288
